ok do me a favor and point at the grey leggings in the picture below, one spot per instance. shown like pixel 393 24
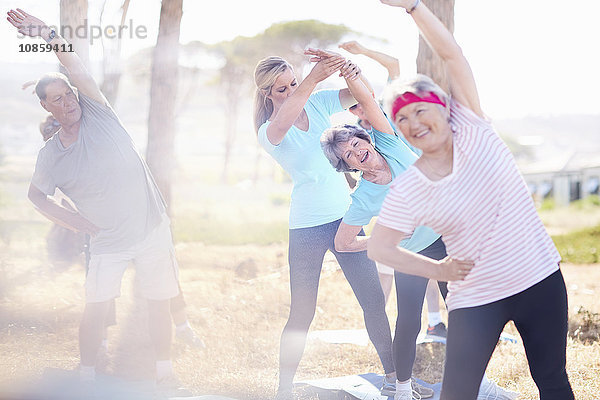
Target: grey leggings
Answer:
pixel 307 248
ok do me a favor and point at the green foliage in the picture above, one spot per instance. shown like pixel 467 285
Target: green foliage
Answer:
pixel 589 202
pixel 212 231
pixel 579 247
pixel 285 39
pixel 548 204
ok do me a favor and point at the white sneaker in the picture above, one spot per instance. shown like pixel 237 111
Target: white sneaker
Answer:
pixel 423 391
pixel 407 395
pixel 491 391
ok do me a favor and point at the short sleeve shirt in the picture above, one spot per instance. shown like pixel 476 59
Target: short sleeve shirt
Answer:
pixel 368 197
pixel 320 194
pixel 105 177
pixel 484 212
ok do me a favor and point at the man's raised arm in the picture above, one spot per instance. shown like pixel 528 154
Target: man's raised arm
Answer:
pixel 79 76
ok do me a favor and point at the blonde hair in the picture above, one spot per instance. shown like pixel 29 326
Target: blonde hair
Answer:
pixel 265 74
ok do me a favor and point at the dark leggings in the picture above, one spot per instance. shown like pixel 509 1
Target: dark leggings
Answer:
pixel 410 292
pixel 540 315
pixel 307 248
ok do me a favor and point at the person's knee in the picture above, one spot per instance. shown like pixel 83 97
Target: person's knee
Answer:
pixel 408 328
pixel 300 319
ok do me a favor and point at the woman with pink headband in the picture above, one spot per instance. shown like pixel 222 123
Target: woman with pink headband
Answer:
pixel 466 186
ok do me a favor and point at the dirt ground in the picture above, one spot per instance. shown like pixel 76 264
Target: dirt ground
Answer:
pixel 238 300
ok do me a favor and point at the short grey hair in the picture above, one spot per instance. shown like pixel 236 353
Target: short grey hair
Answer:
pixel 418 85
pixel 333 137
pixel 47 79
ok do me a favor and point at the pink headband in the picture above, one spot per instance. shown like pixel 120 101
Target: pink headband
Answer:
pixel 407 98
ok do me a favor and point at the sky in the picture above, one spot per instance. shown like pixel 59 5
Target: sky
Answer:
pixel 534 57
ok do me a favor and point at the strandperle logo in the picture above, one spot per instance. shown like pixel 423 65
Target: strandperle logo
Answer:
pixel 95 32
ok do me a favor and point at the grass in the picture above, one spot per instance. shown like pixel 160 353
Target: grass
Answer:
pixel 232 252
pixel 579 247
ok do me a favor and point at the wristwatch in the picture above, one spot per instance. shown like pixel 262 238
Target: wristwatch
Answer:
pixel 51 35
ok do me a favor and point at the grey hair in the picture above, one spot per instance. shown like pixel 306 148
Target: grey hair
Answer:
pixel 333 137
pixel 47 79
pixel 418 85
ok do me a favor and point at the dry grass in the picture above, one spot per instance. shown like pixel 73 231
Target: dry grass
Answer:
pixel 238 300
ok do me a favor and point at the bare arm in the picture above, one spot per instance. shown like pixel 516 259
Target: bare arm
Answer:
pixel 388 62
pixel 350 72
pixel 60 215
pixel 79 76
pixel 293 105
pixel 365 97
pixel 460 76
pixel 383 247
pixel 347 239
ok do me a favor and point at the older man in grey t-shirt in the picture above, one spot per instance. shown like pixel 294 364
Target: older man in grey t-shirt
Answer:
pixel 93 161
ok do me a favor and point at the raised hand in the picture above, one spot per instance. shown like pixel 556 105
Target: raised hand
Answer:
pixel 325 67
pixel 26 24
pixel 406 4
pixel 350 70
pixel 454 270
pixel 320 54
pixel 353 47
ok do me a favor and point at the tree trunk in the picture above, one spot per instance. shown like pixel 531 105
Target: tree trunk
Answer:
pixel 429 63
pixel 111 60
pixel 75 29
pixel 163 89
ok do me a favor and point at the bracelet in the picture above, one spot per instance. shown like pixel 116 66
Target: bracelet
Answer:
pixel 51 35
pixel 413 7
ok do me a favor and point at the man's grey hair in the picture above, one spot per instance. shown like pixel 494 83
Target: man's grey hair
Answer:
pixel 331 142
pixel 47 79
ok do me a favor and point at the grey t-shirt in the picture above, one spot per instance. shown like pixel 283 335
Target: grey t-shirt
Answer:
pixel 105 177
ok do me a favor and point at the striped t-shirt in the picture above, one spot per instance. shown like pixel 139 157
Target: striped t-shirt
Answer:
pixel 483 211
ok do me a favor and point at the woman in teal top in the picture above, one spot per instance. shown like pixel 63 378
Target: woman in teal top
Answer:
pixel 289 119
pixel 380 155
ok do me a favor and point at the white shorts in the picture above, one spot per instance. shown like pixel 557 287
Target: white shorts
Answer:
pixel 157 272
pixel 384 269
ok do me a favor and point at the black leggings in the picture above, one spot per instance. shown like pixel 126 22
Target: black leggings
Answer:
pixel 306 251
pixel 410 292
pixel 540 315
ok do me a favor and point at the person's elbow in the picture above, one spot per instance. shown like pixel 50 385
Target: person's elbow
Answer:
pixel 36 196
pixel 373 249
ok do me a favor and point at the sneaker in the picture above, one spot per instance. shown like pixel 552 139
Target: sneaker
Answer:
pixel 438 330
pixel 170 386
pixel 423 391
pixel 491 391
pixel 407 395
pixel 389 387
pixel 188 337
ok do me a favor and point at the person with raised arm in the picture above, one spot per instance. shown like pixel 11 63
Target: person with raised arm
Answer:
pixel 386 274
pixel 94 162
pixel 289 119
pixel 467 187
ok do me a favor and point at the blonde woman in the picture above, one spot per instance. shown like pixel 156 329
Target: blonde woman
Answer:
pixel 289 119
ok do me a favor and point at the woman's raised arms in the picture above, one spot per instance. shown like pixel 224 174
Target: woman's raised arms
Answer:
pixel 460 77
